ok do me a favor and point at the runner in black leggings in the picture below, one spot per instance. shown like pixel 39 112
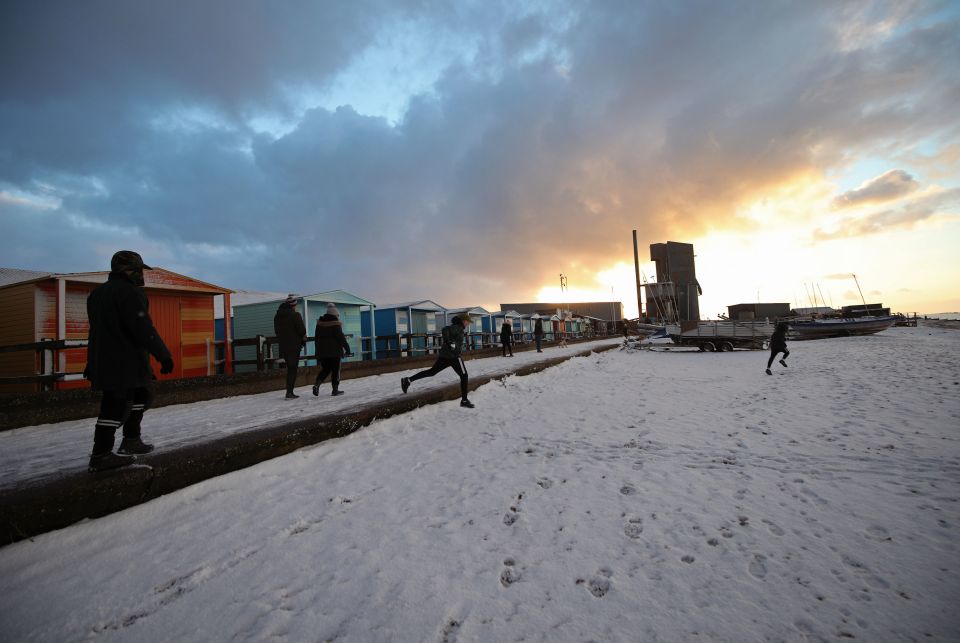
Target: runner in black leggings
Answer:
pixel 778 344
pixel 449 356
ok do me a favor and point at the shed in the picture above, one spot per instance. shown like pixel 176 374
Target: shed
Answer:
pixel 493 323
pixel 478 323
pixel 402 327
pixel 256 318
pixel 748 312
pixel 39 305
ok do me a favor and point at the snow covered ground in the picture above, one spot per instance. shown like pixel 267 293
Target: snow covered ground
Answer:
pixel 34 452
pixel 627 496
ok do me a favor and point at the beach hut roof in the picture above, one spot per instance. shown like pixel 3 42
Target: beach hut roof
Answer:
pixel 423 304
pixel 157 278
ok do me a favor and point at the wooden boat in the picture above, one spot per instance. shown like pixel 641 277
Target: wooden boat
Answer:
pixel 840 327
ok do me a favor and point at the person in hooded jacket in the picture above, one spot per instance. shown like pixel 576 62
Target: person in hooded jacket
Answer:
pixel 331 347
pixel 122 338
pixel 506 337
pixel 778 344
pixel 538 334
pixel 449 356
pixel 292 337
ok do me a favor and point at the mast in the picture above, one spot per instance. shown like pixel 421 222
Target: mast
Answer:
pixel 865 307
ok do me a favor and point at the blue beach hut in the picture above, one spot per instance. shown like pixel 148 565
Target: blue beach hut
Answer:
pixel 402 329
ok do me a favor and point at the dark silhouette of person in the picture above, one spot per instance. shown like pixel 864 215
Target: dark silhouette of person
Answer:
pixel 506 337
pixel 449 356
pixel 538 334
pixel 778 344
pixel 292 337
pixel 122 338
pixel 331 346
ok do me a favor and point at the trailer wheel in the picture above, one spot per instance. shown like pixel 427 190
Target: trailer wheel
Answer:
pixel 726 347
pixel 708 347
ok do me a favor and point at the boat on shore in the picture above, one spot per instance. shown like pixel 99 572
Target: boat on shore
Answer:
pixel 839 326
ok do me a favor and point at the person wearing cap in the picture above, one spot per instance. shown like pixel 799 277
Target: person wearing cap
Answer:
pixel 331 346
pixel 292 337
pixel 121 339
pixel 449 356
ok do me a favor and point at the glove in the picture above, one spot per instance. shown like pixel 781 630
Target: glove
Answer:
pixel 451 346
pixel 166 366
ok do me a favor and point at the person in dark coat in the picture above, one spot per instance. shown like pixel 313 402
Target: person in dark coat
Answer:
pixel 538 334
pixel 778 344
pixel 506 337
pixel 292 337
pixel 122 338
pixel 331 347
pixel 449 356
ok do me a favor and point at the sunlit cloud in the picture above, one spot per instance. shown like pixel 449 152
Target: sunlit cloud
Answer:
pixel 886 187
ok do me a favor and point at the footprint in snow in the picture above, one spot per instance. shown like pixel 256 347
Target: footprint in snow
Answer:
pixel 633 528
pixel 628 490
pixel 757 567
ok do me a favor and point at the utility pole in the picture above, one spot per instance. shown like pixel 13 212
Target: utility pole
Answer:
pixel 636 270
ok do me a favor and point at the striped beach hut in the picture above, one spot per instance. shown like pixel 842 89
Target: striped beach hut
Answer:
pixel 38 305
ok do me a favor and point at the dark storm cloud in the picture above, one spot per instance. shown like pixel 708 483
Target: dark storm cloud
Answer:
pixel 553 132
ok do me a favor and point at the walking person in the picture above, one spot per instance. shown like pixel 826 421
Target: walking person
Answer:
pixel 506 337
pixel 331 347
pixel 778 344
pixel 538 334
pixel 122 338
pixel 292 337
pixel 449 356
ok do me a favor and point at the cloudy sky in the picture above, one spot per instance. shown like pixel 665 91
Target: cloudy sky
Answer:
pixel 470 152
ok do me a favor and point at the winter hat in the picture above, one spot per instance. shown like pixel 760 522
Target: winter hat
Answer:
pixel 332 310
pixel 128 260
pixel 291 300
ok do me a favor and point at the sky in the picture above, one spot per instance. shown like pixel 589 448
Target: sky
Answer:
pixel 471 152
pixel 578 503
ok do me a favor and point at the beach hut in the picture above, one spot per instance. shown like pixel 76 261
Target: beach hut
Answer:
pixel 38 305
pixel 256 318
pixel 402 329
pixel 476 334
pixel 492 324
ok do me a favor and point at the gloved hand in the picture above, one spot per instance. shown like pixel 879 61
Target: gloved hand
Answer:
pixel 166 366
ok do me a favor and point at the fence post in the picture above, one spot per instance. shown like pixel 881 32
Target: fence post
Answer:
pixel 260 362
pixel 46 364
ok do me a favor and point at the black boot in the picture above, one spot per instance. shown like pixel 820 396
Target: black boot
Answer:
pixel 465 403
pixel 336 391
pixel 291 395
pixel 404 383
pixel 109 460
pixel 134 446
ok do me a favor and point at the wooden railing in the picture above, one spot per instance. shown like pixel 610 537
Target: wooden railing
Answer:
pixel 266 351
